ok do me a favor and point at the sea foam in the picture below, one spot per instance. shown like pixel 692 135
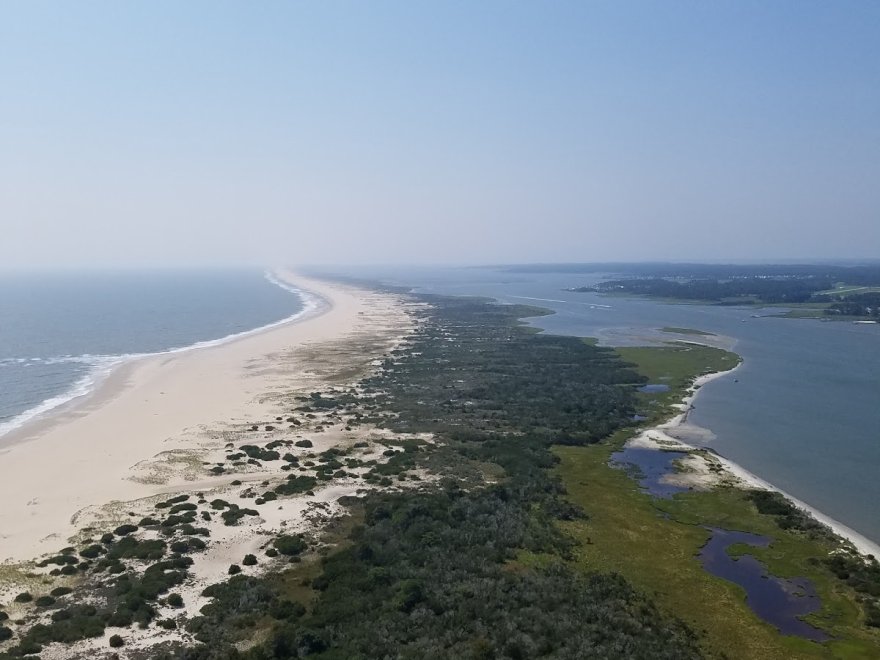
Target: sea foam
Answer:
pixel 101 366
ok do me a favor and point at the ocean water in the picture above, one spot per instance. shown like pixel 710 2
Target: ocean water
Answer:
pixel 61 332
pixel 802 412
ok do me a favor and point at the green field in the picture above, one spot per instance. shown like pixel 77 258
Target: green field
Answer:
pixel 653 543
pixel 842 289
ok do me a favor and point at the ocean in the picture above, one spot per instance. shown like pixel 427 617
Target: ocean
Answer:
pixel 62 332
pixel 802 412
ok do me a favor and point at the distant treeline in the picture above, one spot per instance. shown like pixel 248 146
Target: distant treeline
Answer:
pixel 738 291
pixel 855 304
pixel 739 284
pixel 867 274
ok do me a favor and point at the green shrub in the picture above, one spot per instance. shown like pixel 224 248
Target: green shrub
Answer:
pixel 296 484
pixel 235 569
pixel 5 633
pixel 249 560
pixel 27 647
pixel 24 597
pixel 180 546
pixel 175 600
pixel 59 560
pixel 303 443
pixel 125 530
pixel 232 516
pixel 129 547
pixel 92 551
pixel 116 641
pixel 44 601
pixel 290 545
pixel 189 530
pixel 287 610
pixel 61 591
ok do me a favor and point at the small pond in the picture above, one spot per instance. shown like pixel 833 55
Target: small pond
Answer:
pixel 653 388
pixel 778 601
pixel 648 467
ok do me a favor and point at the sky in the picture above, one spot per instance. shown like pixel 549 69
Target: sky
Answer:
pixel 209 133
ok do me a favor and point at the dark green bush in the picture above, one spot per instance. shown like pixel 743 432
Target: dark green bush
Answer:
pixel 129 547
pixel 290 545
pixel 295 484
pixel 92 551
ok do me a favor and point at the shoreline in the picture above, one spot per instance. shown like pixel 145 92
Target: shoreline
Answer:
pixel 156 422
pixel 662 436
pixel 106 366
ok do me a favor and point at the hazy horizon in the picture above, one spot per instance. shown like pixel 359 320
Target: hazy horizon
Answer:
pixel 217 134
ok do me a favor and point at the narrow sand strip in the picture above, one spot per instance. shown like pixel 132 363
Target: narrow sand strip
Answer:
pixel 84 457
pixel 669 435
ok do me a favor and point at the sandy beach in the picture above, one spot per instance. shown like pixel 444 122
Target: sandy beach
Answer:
pixel 151 425
pixel 678 433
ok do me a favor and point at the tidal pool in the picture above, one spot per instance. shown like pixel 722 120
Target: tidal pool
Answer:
pixel 648 467
pixel 778 601
pixel 653 388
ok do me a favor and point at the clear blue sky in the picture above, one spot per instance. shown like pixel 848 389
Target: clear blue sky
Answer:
pixel 214 132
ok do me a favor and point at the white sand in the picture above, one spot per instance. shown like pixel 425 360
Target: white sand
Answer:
pixel 673 435
pixel 85 457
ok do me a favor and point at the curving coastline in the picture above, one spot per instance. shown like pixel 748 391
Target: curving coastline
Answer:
pixel 674 434
pixel 103 366
pixel 102 449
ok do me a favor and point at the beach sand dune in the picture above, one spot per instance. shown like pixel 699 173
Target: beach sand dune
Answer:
pixel 149 427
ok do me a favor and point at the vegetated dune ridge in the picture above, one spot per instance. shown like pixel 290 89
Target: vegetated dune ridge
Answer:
pixel 157 425
pixel 170 426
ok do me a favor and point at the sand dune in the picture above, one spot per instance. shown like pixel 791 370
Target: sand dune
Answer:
pixel 144 430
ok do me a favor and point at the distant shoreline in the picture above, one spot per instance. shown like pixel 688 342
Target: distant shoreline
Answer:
pixel 84 393
pixel 106 448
